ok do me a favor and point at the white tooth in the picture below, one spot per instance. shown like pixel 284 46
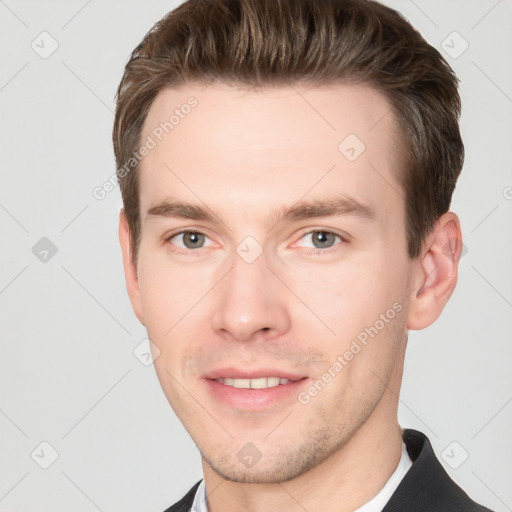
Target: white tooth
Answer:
pixel 242 383
pixel 260 383
pixel 273 381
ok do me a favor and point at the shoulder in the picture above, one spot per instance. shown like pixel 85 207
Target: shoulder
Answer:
pixel 427 487
pixel 185 503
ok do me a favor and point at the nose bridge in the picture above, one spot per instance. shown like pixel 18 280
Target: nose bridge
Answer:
pixel 249 299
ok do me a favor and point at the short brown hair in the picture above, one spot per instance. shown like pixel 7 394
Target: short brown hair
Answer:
pixel 265 43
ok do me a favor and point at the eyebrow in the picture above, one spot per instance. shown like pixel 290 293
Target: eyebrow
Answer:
pixel 304 209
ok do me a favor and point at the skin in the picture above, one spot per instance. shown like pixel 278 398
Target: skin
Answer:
pixel 244 155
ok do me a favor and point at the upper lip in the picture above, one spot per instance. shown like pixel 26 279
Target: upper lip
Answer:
pixel 235 373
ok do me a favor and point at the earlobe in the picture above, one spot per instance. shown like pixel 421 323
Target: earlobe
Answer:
pixel 130 269
pixel 435 272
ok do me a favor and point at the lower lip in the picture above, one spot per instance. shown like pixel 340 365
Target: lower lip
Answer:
pixel 254 399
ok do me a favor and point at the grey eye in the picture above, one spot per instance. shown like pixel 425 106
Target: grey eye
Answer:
pixel 323 239
pixel 189 240
pixel 192 240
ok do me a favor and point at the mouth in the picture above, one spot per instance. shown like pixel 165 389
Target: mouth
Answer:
pixel 254 391
pixel 259 383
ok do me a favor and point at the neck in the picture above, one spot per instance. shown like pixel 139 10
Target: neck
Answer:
pixel 345 481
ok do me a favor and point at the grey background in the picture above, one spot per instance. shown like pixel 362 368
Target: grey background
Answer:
pixel 69 376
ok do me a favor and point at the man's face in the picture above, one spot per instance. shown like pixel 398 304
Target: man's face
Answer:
pixel 259 289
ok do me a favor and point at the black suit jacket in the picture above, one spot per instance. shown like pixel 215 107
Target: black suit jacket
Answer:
pixel 425 488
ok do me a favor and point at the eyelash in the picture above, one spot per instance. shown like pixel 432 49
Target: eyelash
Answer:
pixel 307 250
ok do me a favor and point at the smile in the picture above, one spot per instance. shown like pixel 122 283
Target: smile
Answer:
pixel 260 383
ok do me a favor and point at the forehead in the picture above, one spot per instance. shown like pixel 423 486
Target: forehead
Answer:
pixel 274 145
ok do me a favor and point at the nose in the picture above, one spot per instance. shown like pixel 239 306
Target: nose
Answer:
pixel 250 302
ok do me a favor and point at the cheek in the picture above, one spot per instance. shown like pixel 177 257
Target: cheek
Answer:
pixel 347 297
pixel 163 304
pixel 156 294
pixel 361 299
pixel 166 291
pixel 174 310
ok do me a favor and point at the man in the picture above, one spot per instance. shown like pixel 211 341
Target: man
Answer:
pixel 287 169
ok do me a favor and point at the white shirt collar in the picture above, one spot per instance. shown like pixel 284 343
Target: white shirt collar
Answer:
pixel 377 503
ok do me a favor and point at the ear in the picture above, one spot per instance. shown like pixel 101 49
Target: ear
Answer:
pixel 435 272
pixel 130 269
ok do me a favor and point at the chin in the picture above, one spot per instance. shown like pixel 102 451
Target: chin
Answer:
pixel 274 465
pixel 267 474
